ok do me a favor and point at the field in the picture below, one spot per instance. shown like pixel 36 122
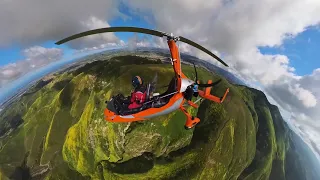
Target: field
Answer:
pixel 58 131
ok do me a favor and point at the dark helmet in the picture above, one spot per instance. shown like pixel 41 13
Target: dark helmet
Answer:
pixel 137 81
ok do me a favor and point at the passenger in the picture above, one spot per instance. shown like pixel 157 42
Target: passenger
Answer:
pixel 138 94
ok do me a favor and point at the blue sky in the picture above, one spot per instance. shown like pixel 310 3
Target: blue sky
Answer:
pixel 10 55
pixel 131 20
pixel 303 51
pixel 14 53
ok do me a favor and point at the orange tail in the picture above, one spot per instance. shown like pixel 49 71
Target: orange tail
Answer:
pixel 206 94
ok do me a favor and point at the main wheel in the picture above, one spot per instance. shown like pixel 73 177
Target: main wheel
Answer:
pixel 192 126
pixel 187 128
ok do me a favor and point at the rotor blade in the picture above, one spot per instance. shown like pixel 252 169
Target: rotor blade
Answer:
pixel 210 85
pixel 185 40
pixel 195 70
pixel 112 29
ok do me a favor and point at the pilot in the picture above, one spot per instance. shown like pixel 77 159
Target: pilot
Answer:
pixel 138 94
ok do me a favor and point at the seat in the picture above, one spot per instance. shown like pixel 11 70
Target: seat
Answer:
pixel 171 89
pixel 162 99
pixel 154 102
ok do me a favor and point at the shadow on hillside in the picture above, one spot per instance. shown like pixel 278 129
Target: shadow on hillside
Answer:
pixel 22 172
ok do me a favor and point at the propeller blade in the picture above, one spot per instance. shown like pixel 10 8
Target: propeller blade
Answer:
pixel 154 81
pixel 155 78
pixel 185 40
pixel 112 29
pixel 210 85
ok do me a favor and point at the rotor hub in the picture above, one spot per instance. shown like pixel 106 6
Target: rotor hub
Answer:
pixel 171 37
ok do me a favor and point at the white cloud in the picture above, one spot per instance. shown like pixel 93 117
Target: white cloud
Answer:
pixel 38 56
pixel 309 130
pixel 101 46
pixel 237 29
pixel 233 25
pixel 35 57
pixel 9 71
pixel 29 22
pixel 138 41
pixel 98 40
pixel 307 98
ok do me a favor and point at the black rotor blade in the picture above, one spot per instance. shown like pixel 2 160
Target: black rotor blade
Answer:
pixel 195 70
pixel 111 29
pixel 185 40
pixel 210 85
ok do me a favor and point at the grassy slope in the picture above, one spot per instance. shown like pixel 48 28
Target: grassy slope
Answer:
pixel 225 139
pixel 243 138
pixel 43 131
pixel 121 142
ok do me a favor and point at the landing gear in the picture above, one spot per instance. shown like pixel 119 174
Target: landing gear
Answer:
pixel 191 120
pixel 190 123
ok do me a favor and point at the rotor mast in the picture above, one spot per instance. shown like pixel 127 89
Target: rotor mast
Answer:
pixel 175 55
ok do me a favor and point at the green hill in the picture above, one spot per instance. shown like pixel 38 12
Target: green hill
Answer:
pixel 57 131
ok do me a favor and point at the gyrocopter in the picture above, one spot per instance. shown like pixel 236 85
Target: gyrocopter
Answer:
pixel 180 90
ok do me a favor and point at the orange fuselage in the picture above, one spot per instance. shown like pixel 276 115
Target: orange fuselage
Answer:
pixel 175 102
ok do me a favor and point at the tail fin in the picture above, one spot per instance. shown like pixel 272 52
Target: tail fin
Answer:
pixel 208 89
pixel 225 95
